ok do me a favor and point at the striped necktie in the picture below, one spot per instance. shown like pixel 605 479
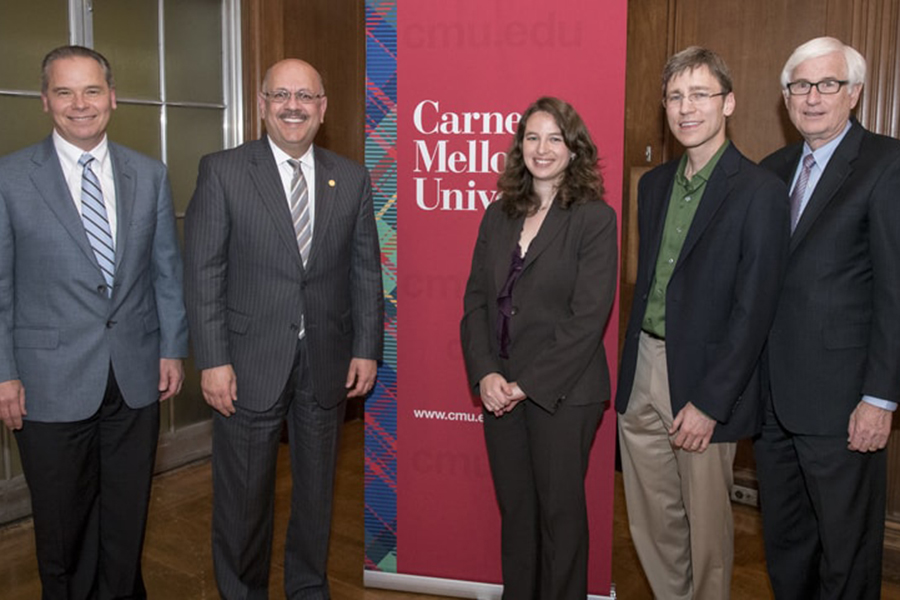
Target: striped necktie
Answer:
pixel 299 203
pixel 96 223
pixel 800 189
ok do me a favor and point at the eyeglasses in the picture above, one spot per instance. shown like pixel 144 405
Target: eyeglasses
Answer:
pixel 283 96
pixel 826 86
pixel 695 98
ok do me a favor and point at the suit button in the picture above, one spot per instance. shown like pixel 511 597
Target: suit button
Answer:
pixel 294 327
pixel 514 310
pixel 101 289
pixel 110 324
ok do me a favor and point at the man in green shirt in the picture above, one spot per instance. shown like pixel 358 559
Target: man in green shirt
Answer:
pixel 714 233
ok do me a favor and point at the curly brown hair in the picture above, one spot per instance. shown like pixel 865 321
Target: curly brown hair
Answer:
pixel 581 181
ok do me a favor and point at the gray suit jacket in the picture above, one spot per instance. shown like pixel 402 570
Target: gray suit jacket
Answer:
pixel 59 332
pixel 246 286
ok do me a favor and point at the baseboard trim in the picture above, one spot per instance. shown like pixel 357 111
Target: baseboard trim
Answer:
pixel 436 586
pixel 890 563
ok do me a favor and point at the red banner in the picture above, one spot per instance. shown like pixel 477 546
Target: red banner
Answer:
pixel 466 71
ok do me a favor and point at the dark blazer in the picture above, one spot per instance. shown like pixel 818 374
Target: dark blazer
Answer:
pixel 722 294
pixel 561 303
pixel 59 331
pixel 246 286
pixel 836 334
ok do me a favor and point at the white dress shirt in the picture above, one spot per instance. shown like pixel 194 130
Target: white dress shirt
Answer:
pixel 286 171
pixel 69 155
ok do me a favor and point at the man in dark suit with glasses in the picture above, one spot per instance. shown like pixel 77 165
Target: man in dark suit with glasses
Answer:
pixel 834 348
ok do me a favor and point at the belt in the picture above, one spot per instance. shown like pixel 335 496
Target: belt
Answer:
pixel 650 334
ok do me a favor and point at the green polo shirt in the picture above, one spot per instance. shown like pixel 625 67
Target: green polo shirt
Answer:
pixel 686 196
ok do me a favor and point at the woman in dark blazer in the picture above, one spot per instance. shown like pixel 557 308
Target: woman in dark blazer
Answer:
pixel 540 291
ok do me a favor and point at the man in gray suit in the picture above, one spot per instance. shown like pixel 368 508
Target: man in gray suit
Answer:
pixel 92 330
pixel 283 284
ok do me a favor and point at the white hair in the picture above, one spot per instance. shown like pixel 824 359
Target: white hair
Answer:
pixel 823 46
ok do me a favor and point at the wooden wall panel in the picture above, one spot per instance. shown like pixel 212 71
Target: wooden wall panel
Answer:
pixel 875 31
pixel 755 39
pixel 331 37
pixel 263 45
pixel 647 49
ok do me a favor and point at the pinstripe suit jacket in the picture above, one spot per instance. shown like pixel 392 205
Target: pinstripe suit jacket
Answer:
pixel 246 287
pixel 59 331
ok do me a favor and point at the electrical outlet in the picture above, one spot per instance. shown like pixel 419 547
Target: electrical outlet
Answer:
pixel 745 495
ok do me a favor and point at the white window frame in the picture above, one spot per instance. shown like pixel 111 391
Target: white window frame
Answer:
pixel 81 32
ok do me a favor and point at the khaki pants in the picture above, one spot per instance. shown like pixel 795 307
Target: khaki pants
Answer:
pixel 679 507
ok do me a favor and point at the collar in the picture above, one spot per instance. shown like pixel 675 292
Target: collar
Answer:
pixel 307 160
pixel 701 176
pixel 824 153
pixel 71 154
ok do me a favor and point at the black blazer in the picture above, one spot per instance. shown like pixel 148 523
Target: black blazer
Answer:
pixel 561 304
pixel 836 334
pixel 722 294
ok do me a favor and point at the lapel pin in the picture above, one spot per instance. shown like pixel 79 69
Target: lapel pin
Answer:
pixel 331 183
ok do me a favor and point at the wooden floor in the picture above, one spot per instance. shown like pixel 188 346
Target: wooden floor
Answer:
pixel 178 563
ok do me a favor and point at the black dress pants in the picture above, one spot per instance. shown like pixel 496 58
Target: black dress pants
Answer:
pixel 538 462
pixel 90 491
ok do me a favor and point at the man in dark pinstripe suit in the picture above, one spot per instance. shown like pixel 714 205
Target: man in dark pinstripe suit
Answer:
pixel 283 287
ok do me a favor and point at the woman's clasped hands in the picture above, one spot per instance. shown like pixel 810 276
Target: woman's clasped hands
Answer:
pixel 498 395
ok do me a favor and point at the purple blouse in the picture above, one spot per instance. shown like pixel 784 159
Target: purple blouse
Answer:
pixel 504 300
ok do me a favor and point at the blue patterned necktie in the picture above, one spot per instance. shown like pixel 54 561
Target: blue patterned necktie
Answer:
pixel 96 223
